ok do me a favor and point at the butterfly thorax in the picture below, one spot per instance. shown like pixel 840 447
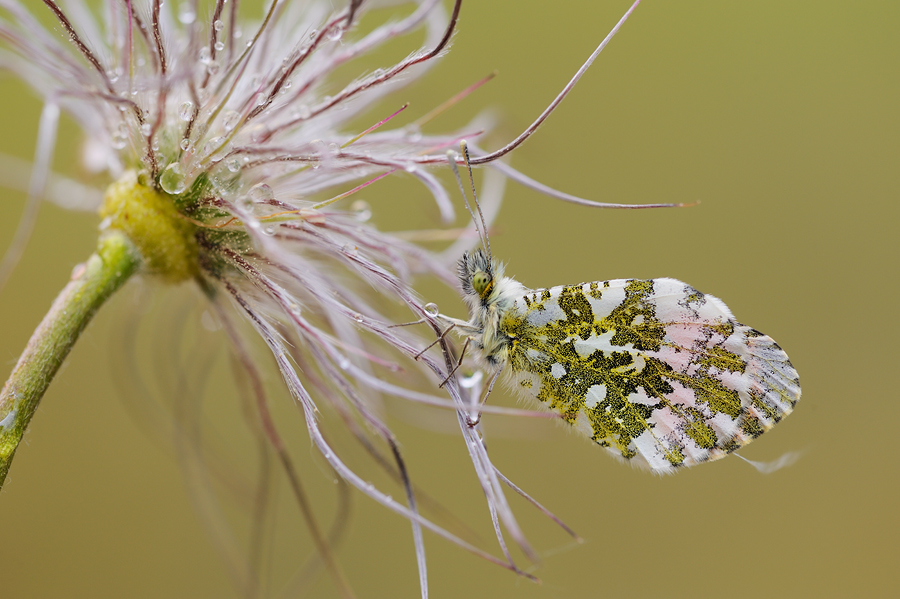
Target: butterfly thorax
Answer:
pixel 490 296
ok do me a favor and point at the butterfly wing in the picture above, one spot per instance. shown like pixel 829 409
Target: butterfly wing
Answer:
pixel 653 370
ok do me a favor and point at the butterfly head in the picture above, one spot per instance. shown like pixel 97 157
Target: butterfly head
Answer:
pixel 479 276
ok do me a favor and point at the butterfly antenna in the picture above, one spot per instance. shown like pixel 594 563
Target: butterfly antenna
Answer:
pixel 484 238
pixel 451 158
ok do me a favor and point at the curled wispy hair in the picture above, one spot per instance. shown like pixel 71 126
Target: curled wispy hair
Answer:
pixel 245 127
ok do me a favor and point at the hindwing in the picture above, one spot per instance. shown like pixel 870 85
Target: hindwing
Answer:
pixel 653 370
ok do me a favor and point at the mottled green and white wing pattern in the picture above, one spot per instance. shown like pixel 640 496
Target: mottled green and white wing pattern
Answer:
pixel 655 371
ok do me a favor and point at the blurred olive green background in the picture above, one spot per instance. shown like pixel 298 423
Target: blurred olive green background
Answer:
pixel 780 118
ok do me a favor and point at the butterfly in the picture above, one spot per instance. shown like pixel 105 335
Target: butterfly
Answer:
pixel 654 371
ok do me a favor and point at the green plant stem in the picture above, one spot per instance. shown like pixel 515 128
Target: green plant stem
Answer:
pixel 92 284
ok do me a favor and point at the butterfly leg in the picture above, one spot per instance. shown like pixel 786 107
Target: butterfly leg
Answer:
pixel 406 324
pixel 472 422
pixel 435 342
pixel 458 362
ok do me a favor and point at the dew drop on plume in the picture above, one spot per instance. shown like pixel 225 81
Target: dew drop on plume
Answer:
pixel 261 192
pixel 186 111
pixel 361 210
pixel 186 13
pixel 172 179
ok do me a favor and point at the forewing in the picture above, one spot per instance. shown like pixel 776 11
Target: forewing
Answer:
pixel 653 370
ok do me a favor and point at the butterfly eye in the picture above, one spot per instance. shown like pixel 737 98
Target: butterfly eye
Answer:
pixel 482 283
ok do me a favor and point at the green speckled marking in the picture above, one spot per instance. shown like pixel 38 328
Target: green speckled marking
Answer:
pixel 752 427
pixel 723 360
pixel 615 420
pixel 702 434
pixel 768 411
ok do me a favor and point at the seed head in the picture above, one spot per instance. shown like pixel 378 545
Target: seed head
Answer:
pixel 227 147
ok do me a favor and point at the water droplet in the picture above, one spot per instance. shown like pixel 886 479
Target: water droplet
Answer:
pixel 205 55
pixel 247 204
pixel 260 133
pixel 172 179
pixel 294 308
pixel 313 34
pixel 119 140
pixel 213 67
pixel 413 133
pixel 269 230
pixel 358 317
pixel 219 46
pixel 233 166
pixel 146 129
pixel 336 33
pixel 238 34
pixel 9 420
pixel 361 210
pixel 349 249
pixel 218 25
pixel 469 381
pixel 185 144
pixel 344 364
pixel 231 120
pixel 186 111
pixel 432 309
pixel 261 192
pixel 303 112
pixel 186 14
pixel 411 168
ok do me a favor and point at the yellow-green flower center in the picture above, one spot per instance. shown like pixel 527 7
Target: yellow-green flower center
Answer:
pixel 164 237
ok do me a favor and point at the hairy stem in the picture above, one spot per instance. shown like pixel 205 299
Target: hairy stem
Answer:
pixel 92 284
